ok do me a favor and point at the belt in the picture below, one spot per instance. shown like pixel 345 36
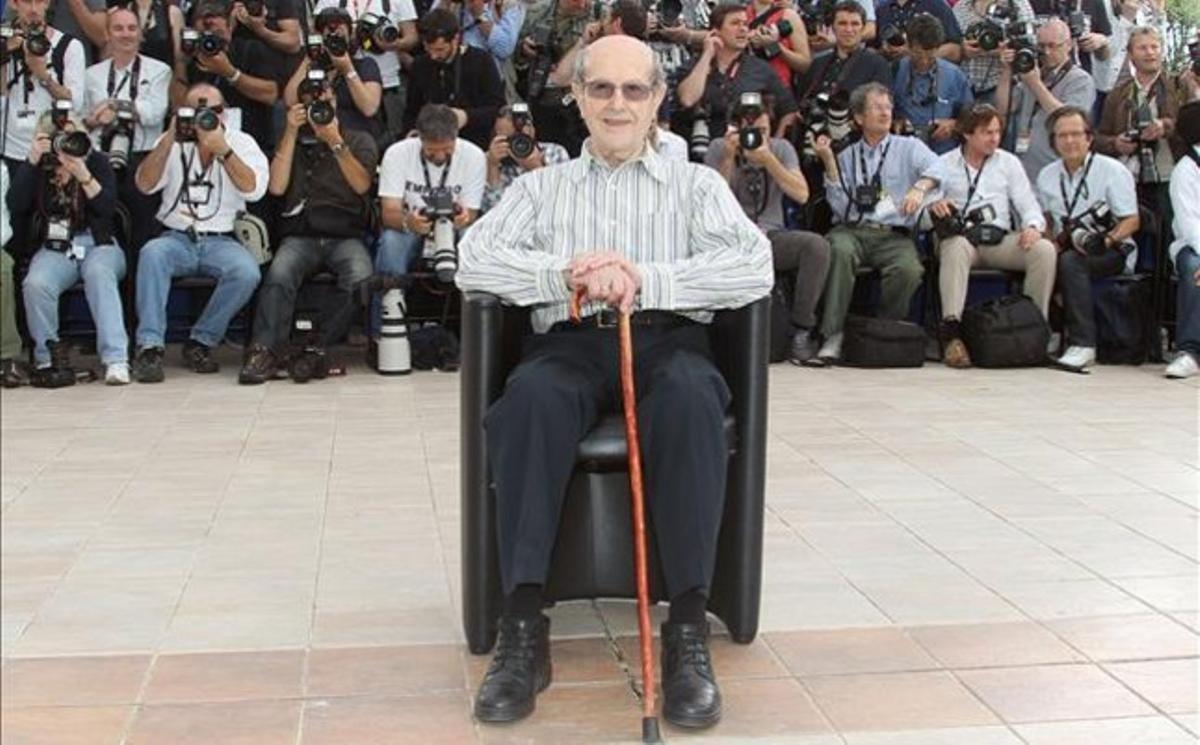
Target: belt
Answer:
pixel 881 226
pixel 197 234
pixel 607 319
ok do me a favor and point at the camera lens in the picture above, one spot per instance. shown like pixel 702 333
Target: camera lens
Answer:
pixel 207 120
pixel 336 45
pixel 1024 61
pixel 76 144
pixel 37 44
pixel 750 138
pixel 211 45
pixel 320 112
pixel 520 145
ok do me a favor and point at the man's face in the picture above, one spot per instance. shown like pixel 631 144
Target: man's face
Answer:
pixel 437 152
pixel 617 100
pixel 441 49
pixel 123 31
pixel 985 140
pixel 735 31
pixel 211 98
pixel 876 120
pixel 921 59
pixel 1054 46
pixel 762 123
pixel 1071 140
pixel 217 24
pixel 31 12
pixel 1146 54
pixel 505 126
pixel 847 29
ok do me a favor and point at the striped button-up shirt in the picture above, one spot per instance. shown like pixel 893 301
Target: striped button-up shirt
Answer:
pixel 677 222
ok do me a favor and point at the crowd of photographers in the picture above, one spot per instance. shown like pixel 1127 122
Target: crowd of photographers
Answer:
pixel 257 142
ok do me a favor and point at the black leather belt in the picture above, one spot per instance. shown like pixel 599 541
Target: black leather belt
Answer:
pixel 608 318
pixel 196 235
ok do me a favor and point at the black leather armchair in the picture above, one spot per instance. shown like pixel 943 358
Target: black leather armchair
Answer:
pixel 593 556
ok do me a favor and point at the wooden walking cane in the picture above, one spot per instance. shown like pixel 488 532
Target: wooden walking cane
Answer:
pixel 650 730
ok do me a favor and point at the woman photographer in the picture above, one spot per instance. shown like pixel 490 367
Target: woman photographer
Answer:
pixel 69 201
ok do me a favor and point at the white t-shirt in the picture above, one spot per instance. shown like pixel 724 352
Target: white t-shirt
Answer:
pixel 22 108
pixel 402 176
pixel 153 97
pixel 216 209
pixel 1106 181
pixel 397 11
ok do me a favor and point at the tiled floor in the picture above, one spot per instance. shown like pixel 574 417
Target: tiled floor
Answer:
pixel 952 558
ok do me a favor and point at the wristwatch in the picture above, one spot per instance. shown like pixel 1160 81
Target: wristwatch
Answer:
pixel 338 148
pixel 237 74
pixel 222 156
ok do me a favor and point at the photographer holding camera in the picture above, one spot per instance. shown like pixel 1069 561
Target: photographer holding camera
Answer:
pixel 1092 207
pixel 125 99
pixel 515 150
pixel 1052 82
pixel 929 91
pixel 461 77
pixel 325 179
pixel 723 72
pixel 1138 123
pixel 489 25
pixel 973 221
pixel 1089 24
pixel 243 69
pixel 551 29
pixel 895 16
pixel 353 77
pixel 207 174
pixel 875 188
pixel 981 63
pixel 41 65
pixel 275 23
pixel 761 170
pixel 68 192
pixel 848 64
pixel 778 35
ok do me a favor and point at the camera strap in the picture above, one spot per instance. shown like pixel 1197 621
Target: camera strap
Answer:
pixel 132 75
pixel 1050 84
pixel 445 173
pixel 972 184
pixel 835 65
pixel 861 160
pixel 762 18
pixel 725 79
pixel 1080 188
pixel 931 95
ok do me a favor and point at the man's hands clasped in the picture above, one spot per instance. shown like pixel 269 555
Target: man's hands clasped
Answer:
pixel 605 277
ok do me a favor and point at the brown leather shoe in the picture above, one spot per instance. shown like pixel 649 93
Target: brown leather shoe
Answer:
pixel 956 354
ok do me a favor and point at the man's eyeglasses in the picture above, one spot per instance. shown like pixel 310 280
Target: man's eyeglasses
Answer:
pixel 603 90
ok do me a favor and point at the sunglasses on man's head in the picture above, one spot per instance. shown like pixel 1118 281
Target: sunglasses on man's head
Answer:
pixel 603 90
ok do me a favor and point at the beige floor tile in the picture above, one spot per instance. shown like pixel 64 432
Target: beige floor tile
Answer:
pixel 385 671
pixel 1168 684
pixel 72 681
pixel 574 661
pixel 993 645
pixel 878 650
pixel 233 723
pixel 227 676
pixel 897 701
pixel 730 660
pixel 1190 722
pixel 1134 731
pixel 1128 637
pixel 1166 593
pixel 593 713
pixel 436 719
pixel 59 725
pixel 1071 599
pixel 951 736
pixel 766 708
pixel 1052 693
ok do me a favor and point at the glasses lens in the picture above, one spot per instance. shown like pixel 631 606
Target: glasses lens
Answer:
pixel 600 90
pixel 635 91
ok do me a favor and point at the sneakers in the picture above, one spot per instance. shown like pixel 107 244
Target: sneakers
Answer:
pixel 13 373
pixel 830 352
pixel 259 367
pixel 804 347
pixel 1077 358
pixel 198 357
pixel 148 365
pixel 1183 366
pixel 116 373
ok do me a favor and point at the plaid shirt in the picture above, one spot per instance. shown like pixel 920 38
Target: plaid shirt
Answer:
pixel 552 155
pixel 984 71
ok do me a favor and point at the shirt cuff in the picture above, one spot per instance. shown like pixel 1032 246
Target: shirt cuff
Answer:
pixel 551 284
pixel 658 287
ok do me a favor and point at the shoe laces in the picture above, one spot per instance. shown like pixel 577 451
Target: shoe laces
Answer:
pixel 516 645
pixel 691 650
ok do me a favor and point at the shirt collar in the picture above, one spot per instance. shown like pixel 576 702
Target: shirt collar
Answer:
pixel 878 147
pixel 650 160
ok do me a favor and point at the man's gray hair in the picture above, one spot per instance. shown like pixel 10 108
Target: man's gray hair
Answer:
pixel 437 123
pixel 658 76
pixel 858 99
pixel 1143 31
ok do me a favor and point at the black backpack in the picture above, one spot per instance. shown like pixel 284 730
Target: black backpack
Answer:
pixel 1124 320
pixel 1007 331
pixel 879 342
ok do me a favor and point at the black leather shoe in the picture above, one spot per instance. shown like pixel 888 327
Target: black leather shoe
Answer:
pixel 691 697
pixel 520 670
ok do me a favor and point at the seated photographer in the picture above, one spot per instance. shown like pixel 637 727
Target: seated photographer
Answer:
pixel 492 26
pixel 726 69
pixel 1137 126
pixel 973 222
pixel 206 173
pixel 894 17
pixel 1185 249
pixel 463 78
pixel 779 36
pixel 352 76
pixel 622 18
pixel 125 100
pixel 44 65
pixel 1092 208
pixel 875 188
pixel 324 171
pixel 68 191
pixel 515 150
pixel 760 170
pixel 982 63
pixel 551 29
pixel 1051 82
pixel 244 70
pixel 438 167
pixel 275 23
pixel 848 64
pixel 930 92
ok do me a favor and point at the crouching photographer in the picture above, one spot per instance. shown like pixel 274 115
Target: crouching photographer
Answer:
pixel 66 193
pixel 324 172
pixel 760 170
pixel 973 224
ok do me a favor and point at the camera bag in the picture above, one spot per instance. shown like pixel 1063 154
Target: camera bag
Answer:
pixel 1125 328
pixel 251 232
pixel 880 342
pixel 1006 331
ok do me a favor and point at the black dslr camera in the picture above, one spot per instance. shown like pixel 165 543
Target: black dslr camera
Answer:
pixel 1079 23
pixel 37 43
pixel 893 36
pixel 76 144
pixel 826 114
pixel 976 226
pixel 1140 118
pixel 747 111
pixel 321 49
pixel 815 13
pixel 256 8
pixel 310 90
pixel 1086 232
pixel 117 139
pixel 308 360
pixel 520 144
pixel 772 50
pixel 990 32
pixel 207 44
pixel 373 31
pixel 188 120
pixel 1022 39
pixel 441 209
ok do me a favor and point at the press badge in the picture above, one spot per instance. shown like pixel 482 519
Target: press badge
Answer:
pixel 1022 145
pixel 199 193
pixel 58 231
pixel 77 251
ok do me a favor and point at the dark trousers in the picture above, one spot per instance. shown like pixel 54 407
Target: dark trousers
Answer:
pixel 806 254
pixel 1075 275
pixel 565 381
pixel 297 258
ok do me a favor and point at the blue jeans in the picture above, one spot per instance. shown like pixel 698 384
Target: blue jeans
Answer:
pixel 51 273
pixel 1187 331
pixel 395 253
pixel 173 254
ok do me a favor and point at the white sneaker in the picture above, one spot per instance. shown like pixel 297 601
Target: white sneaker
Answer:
pixel 1183 366
pixel 116 374
pixel 831 350
pixel 1077 358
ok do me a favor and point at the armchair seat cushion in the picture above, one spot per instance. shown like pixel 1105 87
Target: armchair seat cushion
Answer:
pixel 603 449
